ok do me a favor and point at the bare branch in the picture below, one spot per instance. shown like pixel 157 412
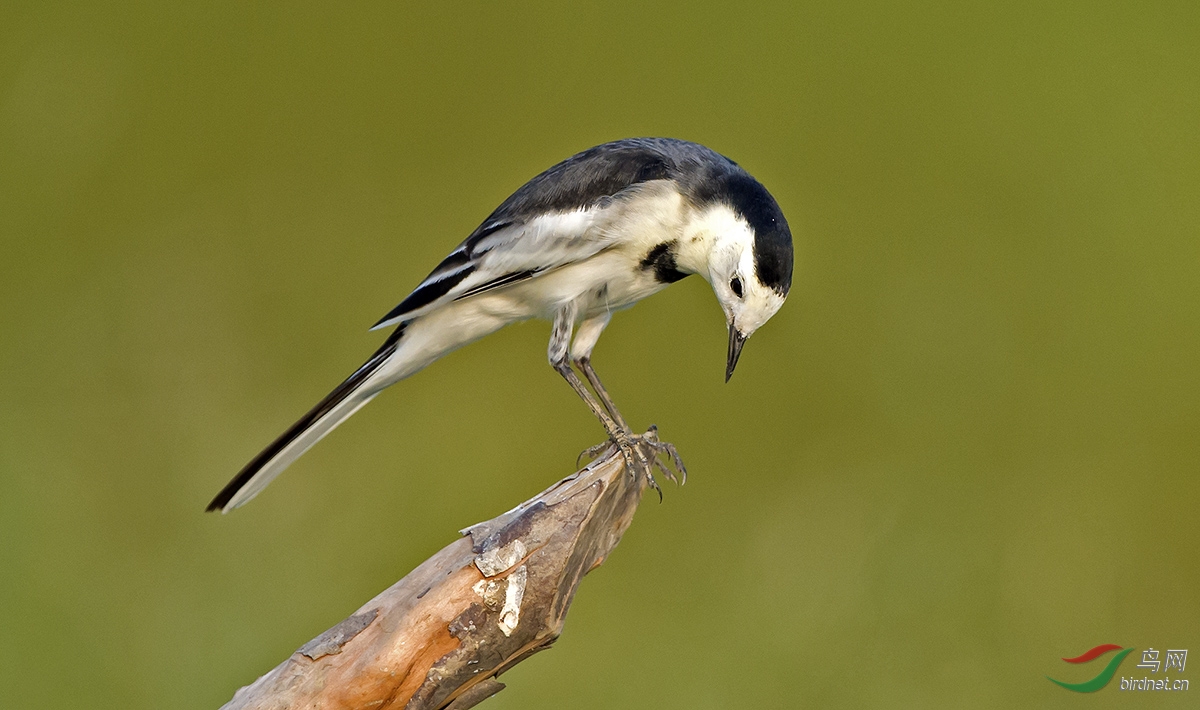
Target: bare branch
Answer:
pixel 489 600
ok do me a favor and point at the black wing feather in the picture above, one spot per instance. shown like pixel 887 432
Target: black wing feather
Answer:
pixel 323 407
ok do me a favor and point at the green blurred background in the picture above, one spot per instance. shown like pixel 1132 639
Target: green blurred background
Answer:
pixel 965 448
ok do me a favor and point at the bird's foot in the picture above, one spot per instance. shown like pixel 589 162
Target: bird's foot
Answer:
pixel 642 455
pixel 663 449
pixel 630 447
pixel 636 460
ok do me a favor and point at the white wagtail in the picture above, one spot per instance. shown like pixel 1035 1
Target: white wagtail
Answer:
pixel 592 235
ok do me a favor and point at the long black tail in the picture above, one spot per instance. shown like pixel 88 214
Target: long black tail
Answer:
pixel 334 409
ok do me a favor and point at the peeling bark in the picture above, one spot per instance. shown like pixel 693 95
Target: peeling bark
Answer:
pixel 439 637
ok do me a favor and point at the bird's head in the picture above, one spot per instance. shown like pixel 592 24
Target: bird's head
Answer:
pixel 749 259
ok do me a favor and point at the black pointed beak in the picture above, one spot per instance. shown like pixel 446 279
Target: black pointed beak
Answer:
pixel 736 341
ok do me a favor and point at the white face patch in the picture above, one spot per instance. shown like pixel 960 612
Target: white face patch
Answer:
pixel 728 243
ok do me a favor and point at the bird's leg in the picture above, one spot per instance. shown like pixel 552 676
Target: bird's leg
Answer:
pixel 586 336
pixel 560 338
pixel 650 438
pixel 585 366
pixel 581 352
pixel 635 458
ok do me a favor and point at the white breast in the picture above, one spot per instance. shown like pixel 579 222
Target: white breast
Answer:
pixel 614 278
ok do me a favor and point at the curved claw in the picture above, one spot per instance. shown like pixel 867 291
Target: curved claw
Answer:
pixel 666 471
pixel 592 452
pixel 649 471
pixel 669 449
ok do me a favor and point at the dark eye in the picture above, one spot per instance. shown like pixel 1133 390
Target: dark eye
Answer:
pixel 736 285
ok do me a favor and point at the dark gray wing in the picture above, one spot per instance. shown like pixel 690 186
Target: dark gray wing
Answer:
pixel 550 221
